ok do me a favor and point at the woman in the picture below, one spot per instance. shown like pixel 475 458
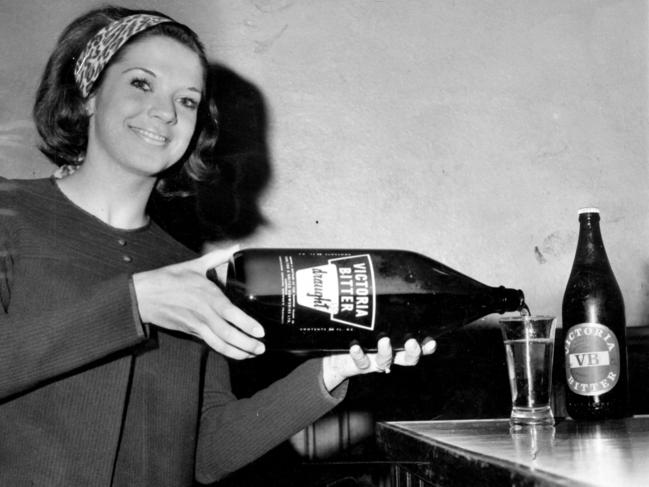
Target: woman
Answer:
pixel 113 342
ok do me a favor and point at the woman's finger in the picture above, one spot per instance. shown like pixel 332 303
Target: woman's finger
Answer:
pixel 241 320
pixel 384 355
pixel 361 360
pixel 232 335
pixel 213 258
pixel 410 354
pixel 428 346
pixel 225 349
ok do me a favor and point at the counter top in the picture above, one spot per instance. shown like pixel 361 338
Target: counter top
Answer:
pixel 489 452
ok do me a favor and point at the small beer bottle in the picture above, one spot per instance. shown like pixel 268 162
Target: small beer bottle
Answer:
pixel 594 327
pixel 324 299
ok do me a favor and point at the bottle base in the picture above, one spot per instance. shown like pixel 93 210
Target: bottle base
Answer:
pixel 600 412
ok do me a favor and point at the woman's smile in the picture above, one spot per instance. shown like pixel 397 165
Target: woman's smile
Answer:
pixel 150 136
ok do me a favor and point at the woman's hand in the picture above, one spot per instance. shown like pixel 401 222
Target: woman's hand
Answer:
pixel 337 368
pixel 179 297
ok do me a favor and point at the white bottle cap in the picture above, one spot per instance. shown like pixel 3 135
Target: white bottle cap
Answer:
pixel 588 210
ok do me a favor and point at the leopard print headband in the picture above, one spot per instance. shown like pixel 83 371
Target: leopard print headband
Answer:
pixel 105 43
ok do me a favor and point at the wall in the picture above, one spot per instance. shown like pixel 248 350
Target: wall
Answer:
pixel 471 130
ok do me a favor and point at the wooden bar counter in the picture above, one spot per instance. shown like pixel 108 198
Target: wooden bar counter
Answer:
pixel 487 452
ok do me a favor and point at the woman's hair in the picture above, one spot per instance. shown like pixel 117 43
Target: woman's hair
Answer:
pixel 60 114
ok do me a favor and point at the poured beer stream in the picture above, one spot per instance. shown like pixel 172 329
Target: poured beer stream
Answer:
pixel 323 300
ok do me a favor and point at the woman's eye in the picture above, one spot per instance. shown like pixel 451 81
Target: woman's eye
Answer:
pixel 189 103
pixel 141 84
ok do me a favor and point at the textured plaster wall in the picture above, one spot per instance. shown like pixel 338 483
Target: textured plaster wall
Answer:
pixel 469 130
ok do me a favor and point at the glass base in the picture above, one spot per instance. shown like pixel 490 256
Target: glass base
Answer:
pixel 525 416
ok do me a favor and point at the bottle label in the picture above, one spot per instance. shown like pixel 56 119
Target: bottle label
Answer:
pixel 342 287
pixel 592 359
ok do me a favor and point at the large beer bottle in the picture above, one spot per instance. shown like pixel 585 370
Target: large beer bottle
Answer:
pixel 594 327
pixel 324 299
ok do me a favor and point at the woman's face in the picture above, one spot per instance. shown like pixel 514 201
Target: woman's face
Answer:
pixel 144 112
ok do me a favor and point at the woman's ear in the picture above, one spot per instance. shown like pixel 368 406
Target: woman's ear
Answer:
pixel 89 105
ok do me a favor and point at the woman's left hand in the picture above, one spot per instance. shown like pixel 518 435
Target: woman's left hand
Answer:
pixel 337 368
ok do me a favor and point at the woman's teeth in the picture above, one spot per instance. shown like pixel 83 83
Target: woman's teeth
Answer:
pixel 147 134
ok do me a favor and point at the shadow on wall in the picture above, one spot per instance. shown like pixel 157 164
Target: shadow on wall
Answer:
pixel 228 208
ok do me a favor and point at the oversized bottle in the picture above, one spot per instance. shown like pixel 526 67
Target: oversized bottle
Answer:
pixel 324 299
pixel 594 327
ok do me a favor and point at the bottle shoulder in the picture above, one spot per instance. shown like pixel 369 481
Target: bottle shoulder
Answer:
pixel 587 276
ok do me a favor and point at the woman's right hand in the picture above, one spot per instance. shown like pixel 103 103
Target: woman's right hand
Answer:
pixel 179 297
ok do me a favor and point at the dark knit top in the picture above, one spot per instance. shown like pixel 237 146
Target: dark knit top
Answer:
pixel 88 395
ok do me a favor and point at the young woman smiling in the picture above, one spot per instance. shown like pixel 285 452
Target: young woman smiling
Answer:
pixel 113 343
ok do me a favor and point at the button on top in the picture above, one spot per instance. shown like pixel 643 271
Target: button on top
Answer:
pixel 121 241
pixel 127 258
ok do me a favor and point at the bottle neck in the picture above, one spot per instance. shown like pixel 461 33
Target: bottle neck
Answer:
pixel 590 247
pixel 509 299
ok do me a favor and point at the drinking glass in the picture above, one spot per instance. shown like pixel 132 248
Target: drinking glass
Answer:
pixel 529 346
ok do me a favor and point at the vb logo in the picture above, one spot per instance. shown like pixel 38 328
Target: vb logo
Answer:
pixel 590 359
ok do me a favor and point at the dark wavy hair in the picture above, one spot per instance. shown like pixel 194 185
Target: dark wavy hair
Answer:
pixel 59 109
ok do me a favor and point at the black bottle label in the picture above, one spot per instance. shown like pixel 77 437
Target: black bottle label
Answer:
pixel 592 359
pixel 341 287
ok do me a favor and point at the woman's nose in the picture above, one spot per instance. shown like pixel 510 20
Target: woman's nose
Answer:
pixel 164 109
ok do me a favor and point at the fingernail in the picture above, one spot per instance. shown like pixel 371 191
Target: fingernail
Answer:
pixel 429 347
pixel 356 349
pixel 261 348
pixel 411 345
pixel 258 331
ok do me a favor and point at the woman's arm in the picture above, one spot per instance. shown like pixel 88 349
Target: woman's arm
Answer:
pixel 59 313
pixel 45 334
pixel 234 432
